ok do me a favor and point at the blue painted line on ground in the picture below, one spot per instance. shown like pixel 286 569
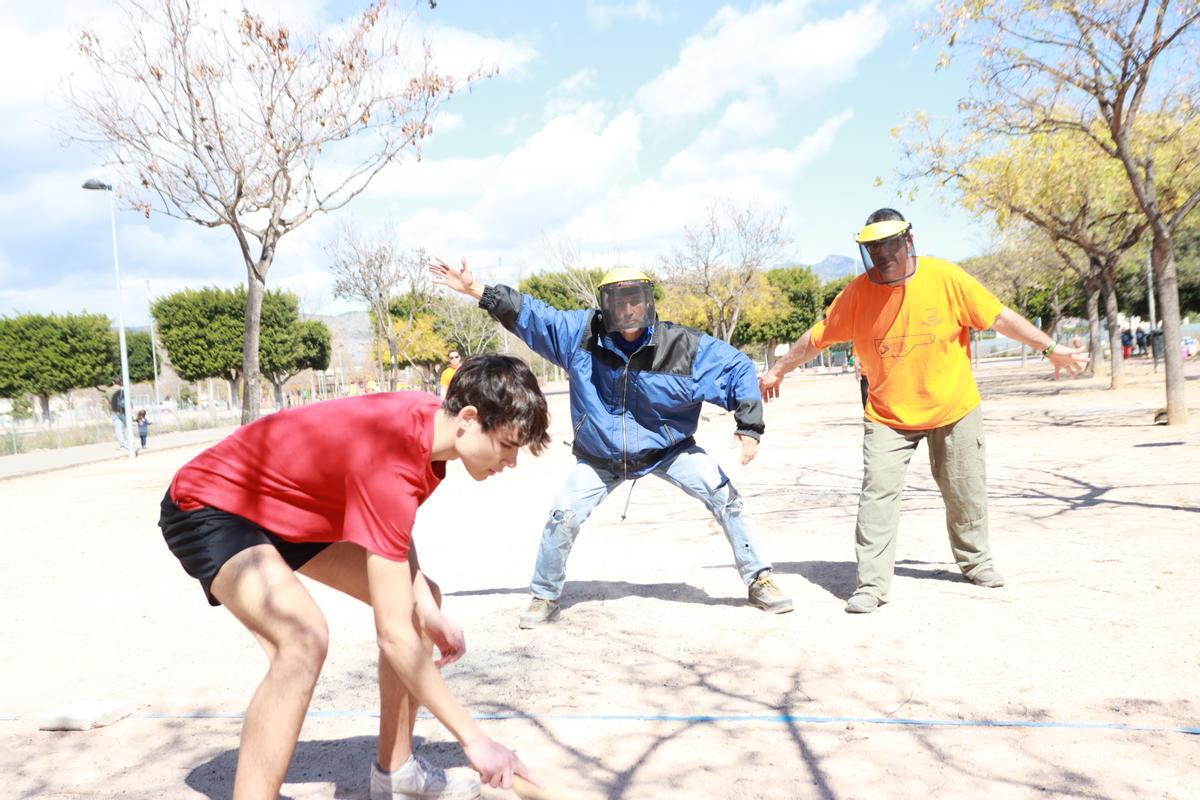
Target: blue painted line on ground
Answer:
pixel 714 718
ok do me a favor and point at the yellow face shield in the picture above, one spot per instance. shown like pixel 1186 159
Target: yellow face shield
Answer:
pixel 886 245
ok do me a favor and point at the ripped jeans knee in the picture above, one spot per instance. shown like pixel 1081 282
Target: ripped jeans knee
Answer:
pixel 725 501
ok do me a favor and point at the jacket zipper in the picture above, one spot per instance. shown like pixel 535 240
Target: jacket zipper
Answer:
pixel 624 407
pixel 624 429
pixel 582 419
pixel 670 436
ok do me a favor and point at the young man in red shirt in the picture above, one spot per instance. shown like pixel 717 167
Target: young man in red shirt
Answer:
pixel 331 491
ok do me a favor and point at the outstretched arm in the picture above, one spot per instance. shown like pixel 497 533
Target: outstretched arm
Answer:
pixel 802 352
pixel 1011 324
pixel 549 332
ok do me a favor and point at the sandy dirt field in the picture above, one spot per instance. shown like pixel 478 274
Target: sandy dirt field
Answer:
pixel 1078 679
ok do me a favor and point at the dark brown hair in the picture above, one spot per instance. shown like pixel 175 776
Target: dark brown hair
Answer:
pixel 884 215
pixel 504 391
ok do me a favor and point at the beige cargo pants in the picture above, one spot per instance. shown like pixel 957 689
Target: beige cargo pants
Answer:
pixel 957 461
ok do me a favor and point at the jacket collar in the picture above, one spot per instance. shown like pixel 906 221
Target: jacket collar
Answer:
pixel 603 341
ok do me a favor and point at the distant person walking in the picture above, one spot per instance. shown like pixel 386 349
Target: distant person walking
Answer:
pixel 143 426
pixel 910 321
pixel 115 397
pixel 448 372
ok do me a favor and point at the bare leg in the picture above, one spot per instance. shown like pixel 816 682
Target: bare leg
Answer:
pixel 259 588
pixel 343 566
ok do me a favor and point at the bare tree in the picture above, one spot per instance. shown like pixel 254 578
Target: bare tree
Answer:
pixel 367 269
pixel 461 322
pixel 228 121
pixel 723 260
pixel 566 255
pixel 1049 66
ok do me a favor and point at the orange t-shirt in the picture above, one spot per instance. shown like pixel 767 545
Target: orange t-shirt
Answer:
pixel 912 340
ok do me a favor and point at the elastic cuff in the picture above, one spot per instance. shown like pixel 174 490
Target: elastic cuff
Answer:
pixel 489 298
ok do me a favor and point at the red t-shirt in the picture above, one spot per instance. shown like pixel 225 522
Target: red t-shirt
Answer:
pixel 350 470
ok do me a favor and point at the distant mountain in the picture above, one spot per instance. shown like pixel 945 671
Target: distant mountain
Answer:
pixel 352 335
pixel 831 267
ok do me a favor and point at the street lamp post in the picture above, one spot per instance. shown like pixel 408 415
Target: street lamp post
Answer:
pixel 130 445
pixel 153 355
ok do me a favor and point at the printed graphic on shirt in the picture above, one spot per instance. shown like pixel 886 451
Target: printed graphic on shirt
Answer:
pixel 900 346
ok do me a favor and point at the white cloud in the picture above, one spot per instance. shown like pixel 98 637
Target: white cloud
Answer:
pixel 459 52
pixel 49 202
pixel 446 121
pixel 716 156
pixel 775 46
pixel 604 14
pixel 568 164
pixel 578 81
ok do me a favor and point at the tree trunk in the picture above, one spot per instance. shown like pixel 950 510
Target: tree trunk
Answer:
pixel 255 286
pixel 394 372
pixel 1112 317
pixel 233 394
pixel 1166 281
pixel 379 340
pixel 1095 367
pixel 278 395
pixel 44 401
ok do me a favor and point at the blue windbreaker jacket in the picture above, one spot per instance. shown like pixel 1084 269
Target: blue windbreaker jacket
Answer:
pixel 629 414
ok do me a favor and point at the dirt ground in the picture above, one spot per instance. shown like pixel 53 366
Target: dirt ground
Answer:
pixel 1078 679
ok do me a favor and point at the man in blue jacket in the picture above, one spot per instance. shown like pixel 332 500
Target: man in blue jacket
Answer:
pixel 637 385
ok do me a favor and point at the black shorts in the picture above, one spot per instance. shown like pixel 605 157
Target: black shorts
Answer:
pixel 204 539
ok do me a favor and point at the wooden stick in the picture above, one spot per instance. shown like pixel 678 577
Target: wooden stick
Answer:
pixel 527 791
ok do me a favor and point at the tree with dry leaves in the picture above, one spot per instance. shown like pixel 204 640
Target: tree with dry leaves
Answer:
pixel 1048 66
pixel 1054 183
pixel 723 261
pixel 228 121
pixel 374 270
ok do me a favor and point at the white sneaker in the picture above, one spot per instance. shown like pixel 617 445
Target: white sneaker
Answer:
pixel 417 779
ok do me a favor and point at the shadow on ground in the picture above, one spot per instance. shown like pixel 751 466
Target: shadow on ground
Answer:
pixel 840 577
pixel 576 592
pixel 346 763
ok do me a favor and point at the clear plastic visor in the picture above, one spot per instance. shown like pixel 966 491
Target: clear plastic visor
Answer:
pixel 887 253
pixel 627 306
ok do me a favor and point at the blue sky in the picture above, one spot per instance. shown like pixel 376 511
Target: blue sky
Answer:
pixel 611 126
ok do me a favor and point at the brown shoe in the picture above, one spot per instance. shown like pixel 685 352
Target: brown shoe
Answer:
pixel 765 594
pixel 540 612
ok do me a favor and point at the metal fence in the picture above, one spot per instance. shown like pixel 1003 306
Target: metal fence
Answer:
pixel 74 427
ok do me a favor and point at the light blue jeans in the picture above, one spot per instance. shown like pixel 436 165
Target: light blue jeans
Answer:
pixel 693 470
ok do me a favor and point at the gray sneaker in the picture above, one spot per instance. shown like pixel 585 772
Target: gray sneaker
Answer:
pixel 862 603
pixel 987 577
pixel 765 594
pixel 540 612
pixel 417 779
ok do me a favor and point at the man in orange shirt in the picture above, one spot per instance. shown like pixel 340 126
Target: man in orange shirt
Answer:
pixel 910 321
pixel 448 372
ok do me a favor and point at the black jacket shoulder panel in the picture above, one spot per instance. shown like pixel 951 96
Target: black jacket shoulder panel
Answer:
pixel 675 349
